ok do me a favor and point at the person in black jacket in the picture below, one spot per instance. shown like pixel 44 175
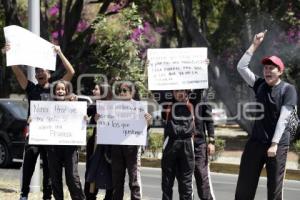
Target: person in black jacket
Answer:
pixel 203 146
pixel 98 160
pixel 186 114
pixel 178 152
pixel 39 91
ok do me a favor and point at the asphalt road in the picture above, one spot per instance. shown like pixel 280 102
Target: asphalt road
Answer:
pixel 223 184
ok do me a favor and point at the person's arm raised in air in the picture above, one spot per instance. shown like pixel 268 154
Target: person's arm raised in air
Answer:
pixel 20 76
pixel 243 65
pixel 69 68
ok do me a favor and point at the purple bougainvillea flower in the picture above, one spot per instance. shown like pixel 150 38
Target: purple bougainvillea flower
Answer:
pixel 114 8
pixel 54 34
pixel 160 30
pixel 136 34
pixel 53 10
pixel 92 40
pixel 82 25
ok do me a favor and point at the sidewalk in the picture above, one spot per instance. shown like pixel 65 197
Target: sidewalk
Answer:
pixel 233 157
pixel 235 142
pixel 229 160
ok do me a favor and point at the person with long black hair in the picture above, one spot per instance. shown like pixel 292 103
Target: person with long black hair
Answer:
pixel 98 157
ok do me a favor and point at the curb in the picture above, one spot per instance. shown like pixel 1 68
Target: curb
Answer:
pixel 223 168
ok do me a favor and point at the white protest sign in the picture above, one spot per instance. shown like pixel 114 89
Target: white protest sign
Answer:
pixel 27 48
pixel 122 122
pixel 57 123
pixel 177 68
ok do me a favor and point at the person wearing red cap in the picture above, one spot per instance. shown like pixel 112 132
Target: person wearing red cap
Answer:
pixel 268 143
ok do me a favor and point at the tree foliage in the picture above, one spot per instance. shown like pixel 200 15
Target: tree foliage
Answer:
pixel 112 36
pixel 117 54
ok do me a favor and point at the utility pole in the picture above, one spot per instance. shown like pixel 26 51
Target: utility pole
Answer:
pixel 34 26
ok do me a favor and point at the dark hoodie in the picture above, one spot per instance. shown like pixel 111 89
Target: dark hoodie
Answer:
pixel 181 119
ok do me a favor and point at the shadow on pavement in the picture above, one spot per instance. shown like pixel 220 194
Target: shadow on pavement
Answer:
pixel 5 190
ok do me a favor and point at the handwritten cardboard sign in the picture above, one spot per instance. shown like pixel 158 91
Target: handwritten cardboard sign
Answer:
pixel 122 122
pixel 57 123
pixel 177 68
pixel 27 48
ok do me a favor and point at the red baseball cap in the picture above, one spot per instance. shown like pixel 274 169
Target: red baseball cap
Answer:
pixel 273 60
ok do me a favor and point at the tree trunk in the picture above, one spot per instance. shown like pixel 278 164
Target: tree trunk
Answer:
pixel 219 81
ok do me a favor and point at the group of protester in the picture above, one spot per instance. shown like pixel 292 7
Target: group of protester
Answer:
pixel 188 139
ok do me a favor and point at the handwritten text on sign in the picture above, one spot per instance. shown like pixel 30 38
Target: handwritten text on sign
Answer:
pixel 27 48
pixel 177 68
pixel 122 122
pixel 57 123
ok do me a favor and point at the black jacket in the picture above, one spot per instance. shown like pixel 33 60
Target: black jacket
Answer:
pixel 182 120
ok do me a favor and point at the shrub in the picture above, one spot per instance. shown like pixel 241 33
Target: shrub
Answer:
pixel 219 148
pixel 296 146
pixel 219 145
pixel 155 143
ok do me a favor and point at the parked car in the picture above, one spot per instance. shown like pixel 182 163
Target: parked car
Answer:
pixel 13 121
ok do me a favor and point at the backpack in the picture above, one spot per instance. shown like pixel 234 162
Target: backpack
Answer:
pixel 293 125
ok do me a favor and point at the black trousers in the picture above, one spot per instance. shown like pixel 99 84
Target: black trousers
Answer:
pixel 93 195
pixel 89 152
pixel 67 157
pixel 201 173
pixel 178 161
pixel 31 153
pixel 253 159
pixel 126 157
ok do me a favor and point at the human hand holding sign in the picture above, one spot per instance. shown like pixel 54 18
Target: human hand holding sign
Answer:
pixel 148 118
pixel 5 48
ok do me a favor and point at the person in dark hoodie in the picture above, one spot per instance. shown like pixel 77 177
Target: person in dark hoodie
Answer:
pixel 178 151
pixel 187 115
pixel 204 144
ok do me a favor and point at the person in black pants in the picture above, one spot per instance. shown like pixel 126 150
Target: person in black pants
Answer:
pixel 127 156
pixel 269 142
pixel 31 153
pixel 98 160
pixel 203 146
pixel 39 91
pixel 178 158
pixel 64 156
